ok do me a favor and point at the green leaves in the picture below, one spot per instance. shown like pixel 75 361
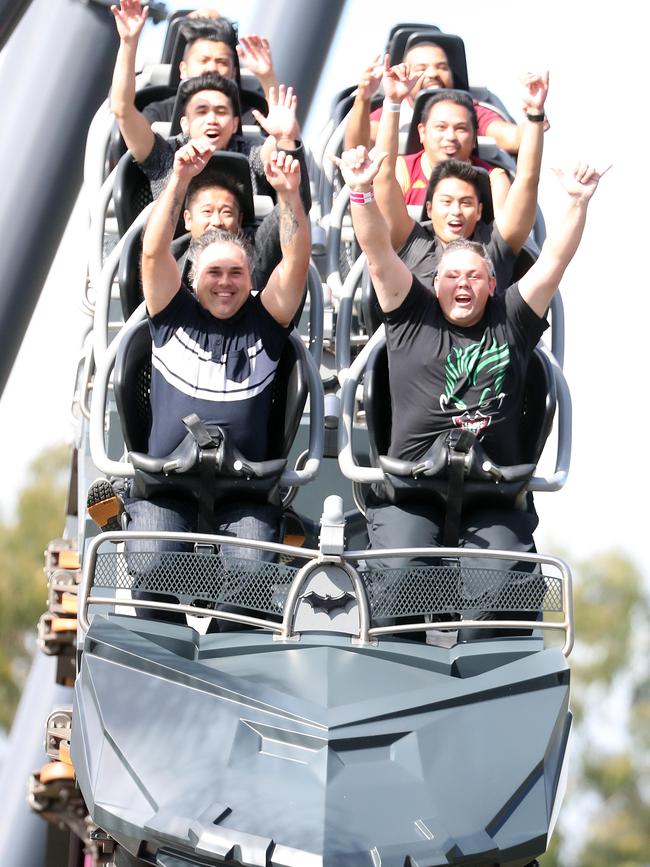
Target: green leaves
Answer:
pixel 39 517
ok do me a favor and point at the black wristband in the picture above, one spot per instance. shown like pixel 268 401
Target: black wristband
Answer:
pixel 536 118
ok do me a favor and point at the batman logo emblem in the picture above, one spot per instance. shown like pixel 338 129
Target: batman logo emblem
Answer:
pixel 326 602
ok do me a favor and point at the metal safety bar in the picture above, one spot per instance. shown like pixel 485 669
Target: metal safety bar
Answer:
pixel 333 241
pixel 566 624
pixel 121 537
pixel 315 562
pixel 97 230
pixel 344 318
pixel 105 286
pixel 316 313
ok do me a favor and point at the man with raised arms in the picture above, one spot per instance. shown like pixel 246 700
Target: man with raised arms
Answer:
pixel 215 346
pixel 428 62
pixel 211 46
pixel 428 333
pixel 215 200
pixel 453 201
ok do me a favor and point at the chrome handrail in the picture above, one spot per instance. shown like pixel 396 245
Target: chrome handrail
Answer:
pixel 316 561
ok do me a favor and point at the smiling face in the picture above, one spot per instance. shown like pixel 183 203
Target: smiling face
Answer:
pixel 209 113
pixel 448 133
pixel 463 286
pixel 206 55
pixel 454 209
pixel 223 281
pixel 213 208
pixel 430 60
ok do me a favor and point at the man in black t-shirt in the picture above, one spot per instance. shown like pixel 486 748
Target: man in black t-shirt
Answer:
pixel 457 357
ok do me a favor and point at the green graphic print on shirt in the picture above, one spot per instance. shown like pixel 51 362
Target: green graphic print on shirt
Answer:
pixel 465 369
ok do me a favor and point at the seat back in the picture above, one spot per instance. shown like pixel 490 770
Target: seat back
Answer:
pixel 399 36
pixel 452 45
pixel 132 385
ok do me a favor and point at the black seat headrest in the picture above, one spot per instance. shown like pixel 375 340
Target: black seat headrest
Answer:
pixel 454 48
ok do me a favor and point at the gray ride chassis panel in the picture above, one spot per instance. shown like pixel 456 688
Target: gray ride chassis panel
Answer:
pixel 240 749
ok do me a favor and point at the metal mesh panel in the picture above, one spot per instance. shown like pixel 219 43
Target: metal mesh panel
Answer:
pixel 421 590
pixel 191 577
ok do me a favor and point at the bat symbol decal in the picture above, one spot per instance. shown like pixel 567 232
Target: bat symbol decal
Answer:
pixel 326 602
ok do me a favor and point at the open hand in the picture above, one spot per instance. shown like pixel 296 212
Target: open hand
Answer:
pixel 281 121
pixel 370 80
pixel 255 53
pixel 358 167
pixel 534 91
pixel 129 16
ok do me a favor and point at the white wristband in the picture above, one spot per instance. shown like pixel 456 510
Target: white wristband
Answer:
pixel 392 107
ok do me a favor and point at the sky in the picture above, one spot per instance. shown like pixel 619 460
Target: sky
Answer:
pixel 596 54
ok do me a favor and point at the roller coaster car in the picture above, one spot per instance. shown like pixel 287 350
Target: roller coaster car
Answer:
pixel 324 739
pixel 324 736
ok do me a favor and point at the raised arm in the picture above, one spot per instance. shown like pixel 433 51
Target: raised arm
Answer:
pixel 283 293
pixel 255 53
pixel 357 131
pixel 138 135
pixel 517 217
pixel 398 84
pixel 390 276
pixel 161 276
pixel 540 283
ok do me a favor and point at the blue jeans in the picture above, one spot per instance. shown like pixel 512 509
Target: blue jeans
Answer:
pixel 259 521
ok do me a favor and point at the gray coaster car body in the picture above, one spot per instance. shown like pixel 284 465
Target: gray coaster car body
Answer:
pixel 317 741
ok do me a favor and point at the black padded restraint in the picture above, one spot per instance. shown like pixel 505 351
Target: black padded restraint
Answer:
pixel 209 446
pixel 459 444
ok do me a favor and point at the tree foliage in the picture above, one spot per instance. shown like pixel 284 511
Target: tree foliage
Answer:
pixel 611 699
pixel 39 517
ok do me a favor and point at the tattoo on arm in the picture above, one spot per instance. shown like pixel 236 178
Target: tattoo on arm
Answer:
pixel 175 209
pixel 288 224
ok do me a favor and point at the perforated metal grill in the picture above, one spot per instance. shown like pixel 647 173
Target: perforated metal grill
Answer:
pixel 421 590
pixel 416 591
pixel 193 578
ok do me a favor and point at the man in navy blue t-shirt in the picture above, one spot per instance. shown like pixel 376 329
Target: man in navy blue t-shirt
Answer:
pixel 215 346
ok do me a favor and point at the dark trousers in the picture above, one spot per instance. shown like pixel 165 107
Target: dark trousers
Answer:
pixel 421 524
